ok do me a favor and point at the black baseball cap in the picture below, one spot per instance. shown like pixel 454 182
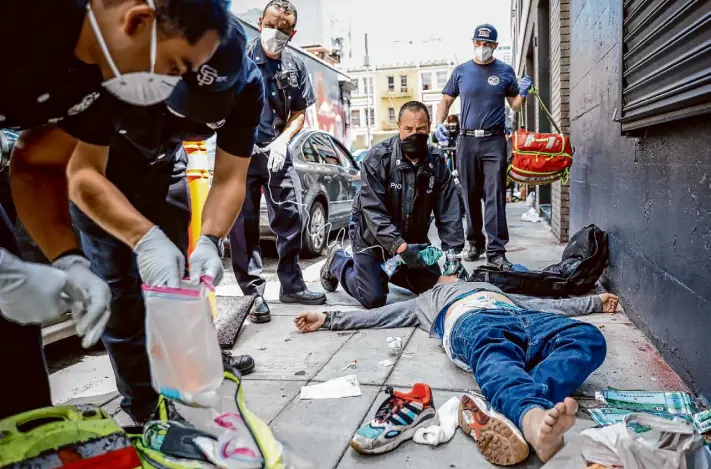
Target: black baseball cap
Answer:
pixel 485 32
pixel 206 95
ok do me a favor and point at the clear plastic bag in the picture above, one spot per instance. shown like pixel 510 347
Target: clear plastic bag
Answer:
pixel 185 358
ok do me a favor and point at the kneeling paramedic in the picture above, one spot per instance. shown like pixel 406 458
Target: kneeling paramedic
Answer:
pixel 148 208
pixel 288 94
pixel 403 184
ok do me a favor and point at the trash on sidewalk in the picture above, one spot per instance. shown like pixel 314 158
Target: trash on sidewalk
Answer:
pixel 435 435
pixel 395 345
pixel 345 386
pixel 645 441
pixel 386 363
pixel 351 366
pixel 674 403
pixel 702 421
pixel 532 215
pixel 531 199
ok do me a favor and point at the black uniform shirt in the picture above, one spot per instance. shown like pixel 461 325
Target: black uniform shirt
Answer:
pixel 292 92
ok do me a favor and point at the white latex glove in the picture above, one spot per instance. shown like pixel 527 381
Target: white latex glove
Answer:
pixel 277 155
pixel 90 320
pixel 160 262
pixel 33 293
pixel 206 261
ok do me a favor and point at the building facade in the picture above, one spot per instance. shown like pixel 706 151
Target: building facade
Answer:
pixel 541 35
pixel 382 90
pixel 630 82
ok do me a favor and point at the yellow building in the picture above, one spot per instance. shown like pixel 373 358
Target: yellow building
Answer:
pixel 383 89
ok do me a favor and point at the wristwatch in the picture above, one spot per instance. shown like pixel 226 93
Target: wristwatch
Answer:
pixel 219 242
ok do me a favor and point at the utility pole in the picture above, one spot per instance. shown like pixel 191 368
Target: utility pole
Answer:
pixel 368 110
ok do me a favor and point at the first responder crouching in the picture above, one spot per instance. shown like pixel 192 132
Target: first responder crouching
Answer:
pixel 404 183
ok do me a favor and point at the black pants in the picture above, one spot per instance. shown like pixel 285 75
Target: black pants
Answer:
pixel 284 221
pixel 25 382
pixel 481 163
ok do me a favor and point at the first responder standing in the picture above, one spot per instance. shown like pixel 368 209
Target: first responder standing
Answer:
pixel 288 94
pixel 483 84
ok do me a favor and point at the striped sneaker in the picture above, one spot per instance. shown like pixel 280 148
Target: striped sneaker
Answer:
pixel 397 420
pixel 497 437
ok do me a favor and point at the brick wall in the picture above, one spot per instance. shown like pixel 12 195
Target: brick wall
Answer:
pixel 560 106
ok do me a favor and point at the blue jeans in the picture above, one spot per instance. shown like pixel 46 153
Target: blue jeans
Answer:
pixel 125 335
pixel 363 278
pixel 525 359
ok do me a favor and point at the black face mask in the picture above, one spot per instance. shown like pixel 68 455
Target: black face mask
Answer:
pixel 416 144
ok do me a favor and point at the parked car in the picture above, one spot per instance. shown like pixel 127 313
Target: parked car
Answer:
pixel 329 179
pixel 358 156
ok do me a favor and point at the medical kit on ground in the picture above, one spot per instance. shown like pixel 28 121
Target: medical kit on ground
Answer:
pixel 540 158
pixel 183 351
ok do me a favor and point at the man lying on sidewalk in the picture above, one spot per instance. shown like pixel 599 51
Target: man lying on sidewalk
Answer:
pixel 526 355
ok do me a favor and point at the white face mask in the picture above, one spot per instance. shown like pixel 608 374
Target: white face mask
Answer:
pixel 273 41
pixel 483 53
pixel 137 88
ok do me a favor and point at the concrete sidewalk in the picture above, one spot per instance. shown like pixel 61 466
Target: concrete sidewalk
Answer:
pixel 288 360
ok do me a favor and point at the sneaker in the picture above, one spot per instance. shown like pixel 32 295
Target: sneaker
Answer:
pixel 474 253
pixel 496 436
pixel 501 263
pixel 328 280
pixel 397 420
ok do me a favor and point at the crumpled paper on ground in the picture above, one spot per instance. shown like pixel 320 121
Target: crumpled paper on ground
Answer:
pixel 645 441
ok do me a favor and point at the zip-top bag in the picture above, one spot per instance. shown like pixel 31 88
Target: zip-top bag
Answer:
pixel 540 158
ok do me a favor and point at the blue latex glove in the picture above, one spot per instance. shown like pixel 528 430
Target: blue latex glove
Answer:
pixel 442 134
pixel 524 85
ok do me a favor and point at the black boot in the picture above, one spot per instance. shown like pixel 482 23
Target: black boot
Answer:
pixel 501 263
pixel 306 297
pixel 259 312
pixel 474 253
pixel 242 363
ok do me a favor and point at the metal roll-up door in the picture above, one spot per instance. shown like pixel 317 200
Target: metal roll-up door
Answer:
pixel 666 61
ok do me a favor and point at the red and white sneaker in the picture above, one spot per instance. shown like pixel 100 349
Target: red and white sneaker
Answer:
pixel 496 436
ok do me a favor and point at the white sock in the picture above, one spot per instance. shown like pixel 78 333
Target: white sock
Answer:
pixel 437 434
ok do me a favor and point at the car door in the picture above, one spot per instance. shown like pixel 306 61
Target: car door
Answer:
pixel 349 174
pixel 331 173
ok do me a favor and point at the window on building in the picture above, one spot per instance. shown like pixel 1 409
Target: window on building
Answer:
pixel 430 109
pixel 368 85
pixel 391 115
pixel 355 117
pixel 441 79
pixel 664 73
pixel 359 90
pixel 403 83
pixel 391 83
pixel 426 81
pixel 370 116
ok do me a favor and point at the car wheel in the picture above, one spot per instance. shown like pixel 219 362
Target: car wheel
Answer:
pixel 315 234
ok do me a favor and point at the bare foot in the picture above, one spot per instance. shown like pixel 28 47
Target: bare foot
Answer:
pixel 544 429
pixel 309 322
pixel 609 302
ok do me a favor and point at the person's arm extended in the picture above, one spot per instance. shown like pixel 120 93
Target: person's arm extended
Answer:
pixel 401 314
pixel 566 307
pixel 100 199
pixel 447 213
pixel 443 109
pixel 39 188
pixel 226 196
pixel 294 124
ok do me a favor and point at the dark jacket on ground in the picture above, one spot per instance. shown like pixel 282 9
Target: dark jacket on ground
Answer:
pixel 398 198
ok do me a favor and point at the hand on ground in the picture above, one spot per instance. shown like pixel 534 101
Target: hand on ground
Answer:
pixel 309 322
pixel 544 429
pixel 609 302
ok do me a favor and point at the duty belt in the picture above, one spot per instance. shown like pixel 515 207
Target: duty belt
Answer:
pixel 482 133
